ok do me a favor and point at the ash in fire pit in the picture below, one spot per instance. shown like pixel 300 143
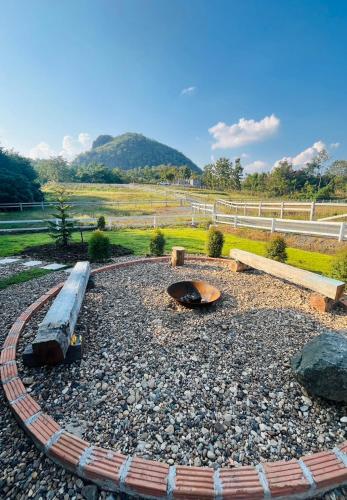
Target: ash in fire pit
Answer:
pixel 192 297
pixel 194 293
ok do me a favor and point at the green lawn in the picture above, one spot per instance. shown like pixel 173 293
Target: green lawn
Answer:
pixel 193 239
pixel 22 277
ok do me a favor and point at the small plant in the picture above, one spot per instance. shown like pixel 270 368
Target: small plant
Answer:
pixel 339 266
pixel 99 247
pixel 214 242
pixel 276 249
pixel 61 229
pixel 101 223
pixel 157 243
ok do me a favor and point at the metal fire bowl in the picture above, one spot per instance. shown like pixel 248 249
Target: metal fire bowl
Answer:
pixel 209 294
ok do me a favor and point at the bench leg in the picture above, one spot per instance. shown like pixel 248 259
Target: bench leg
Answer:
pixel 238 267
pixel 321 303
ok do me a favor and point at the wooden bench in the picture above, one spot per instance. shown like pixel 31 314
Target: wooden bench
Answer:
pixel 328 290
pixel 54 334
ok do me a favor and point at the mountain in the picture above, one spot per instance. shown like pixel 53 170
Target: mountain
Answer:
pixel 131 150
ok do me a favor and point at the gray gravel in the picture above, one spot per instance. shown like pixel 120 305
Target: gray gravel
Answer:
pixel 142 349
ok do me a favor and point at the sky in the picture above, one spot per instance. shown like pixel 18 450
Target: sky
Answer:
pixel 258 79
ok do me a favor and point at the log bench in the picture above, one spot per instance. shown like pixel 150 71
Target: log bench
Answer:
pixel 328 290
pixel 54 334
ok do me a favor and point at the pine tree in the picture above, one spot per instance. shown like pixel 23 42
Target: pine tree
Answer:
pixel 61 229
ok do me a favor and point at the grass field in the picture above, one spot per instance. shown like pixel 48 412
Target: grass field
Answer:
pixel 193 239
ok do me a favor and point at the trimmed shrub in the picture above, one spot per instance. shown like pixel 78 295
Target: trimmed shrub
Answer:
pixel 99 247
pixel 101 223
pixel 157 243
pixel 276 249
pixel 214 242
pixel 339 266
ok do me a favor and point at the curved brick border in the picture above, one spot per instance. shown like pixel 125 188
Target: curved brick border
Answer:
pixel 304 478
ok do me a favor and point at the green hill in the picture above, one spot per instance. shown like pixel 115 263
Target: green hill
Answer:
pixel 131 150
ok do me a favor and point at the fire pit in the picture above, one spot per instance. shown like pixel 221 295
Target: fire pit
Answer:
pixel 194 293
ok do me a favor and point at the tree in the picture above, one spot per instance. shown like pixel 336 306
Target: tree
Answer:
pixel 55 169
pixel 18 179
pixel 61 229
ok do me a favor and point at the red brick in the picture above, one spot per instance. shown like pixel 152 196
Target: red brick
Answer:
pixel 239 483
pixel 14 389
pixel 326 468
pixel 104 465
pixel 147 477
pixel 43 429
pixel 17 327
pixel 194 483
pixel 8 371
pixel 8 354
pixel 285 478
pixel 68 450
pixel 10 341
pixel 25 408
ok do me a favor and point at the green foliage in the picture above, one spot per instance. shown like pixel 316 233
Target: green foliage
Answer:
pixel 214 242
pixel 339 266
pixel 18 179
pixel 97 174
pixel 101 223
pixel 55 169
pixel 157 243
pixel 61 229
pixel 223 174
pixel 276 249
pixel 130 151
pixel 99 247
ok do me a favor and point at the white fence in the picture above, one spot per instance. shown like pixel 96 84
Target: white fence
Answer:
pixel 282 207
pixel 314 228
pixel 47 204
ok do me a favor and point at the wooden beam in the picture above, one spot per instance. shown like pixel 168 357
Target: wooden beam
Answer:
pixel 327 287
pixel 54 334
pixel 177 256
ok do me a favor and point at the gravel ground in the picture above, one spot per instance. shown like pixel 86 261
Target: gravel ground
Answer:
pixel 181 386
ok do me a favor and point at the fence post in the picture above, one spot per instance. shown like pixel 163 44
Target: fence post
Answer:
pixel 282 206
pixel 273 229
pixel 42 205
pixel 235 221
pixel 259 209
pixel 245 209
pixel 21 207
pixel 313 210
pixel 155 221
pixel 342 230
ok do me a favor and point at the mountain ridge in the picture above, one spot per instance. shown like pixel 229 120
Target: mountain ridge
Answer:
pixel 132 150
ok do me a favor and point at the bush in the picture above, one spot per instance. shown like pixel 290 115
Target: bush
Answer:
pixel 276 249
pixel 215 242
pixel 101 223
pixel 339 266
pixel 157 243
pixel 99 247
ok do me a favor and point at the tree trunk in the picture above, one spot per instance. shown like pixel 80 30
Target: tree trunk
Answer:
pixel 177 256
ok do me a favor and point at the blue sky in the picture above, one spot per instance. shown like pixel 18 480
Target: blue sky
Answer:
pixel 260 79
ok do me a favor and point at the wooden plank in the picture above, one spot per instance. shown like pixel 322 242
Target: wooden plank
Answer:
pixel 54 334
pixel 326 286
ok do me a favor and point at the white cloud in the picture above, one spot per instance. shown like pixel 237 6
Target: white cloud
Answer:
pixel 71 147
pixel 335 145
pixel 243 132
pixel 305 156
pixel 41 151
pixel 188 90
pixel 256 166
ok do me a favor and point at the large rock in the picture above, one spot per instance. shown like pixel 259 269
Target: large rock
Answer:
pixel 321 366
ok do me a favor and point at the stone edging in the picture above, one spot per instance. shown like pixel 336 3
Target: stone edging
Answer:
pixel 305 478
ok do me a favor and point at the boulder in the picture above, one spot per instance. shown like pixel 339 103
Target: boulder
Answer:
pixel 321 366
